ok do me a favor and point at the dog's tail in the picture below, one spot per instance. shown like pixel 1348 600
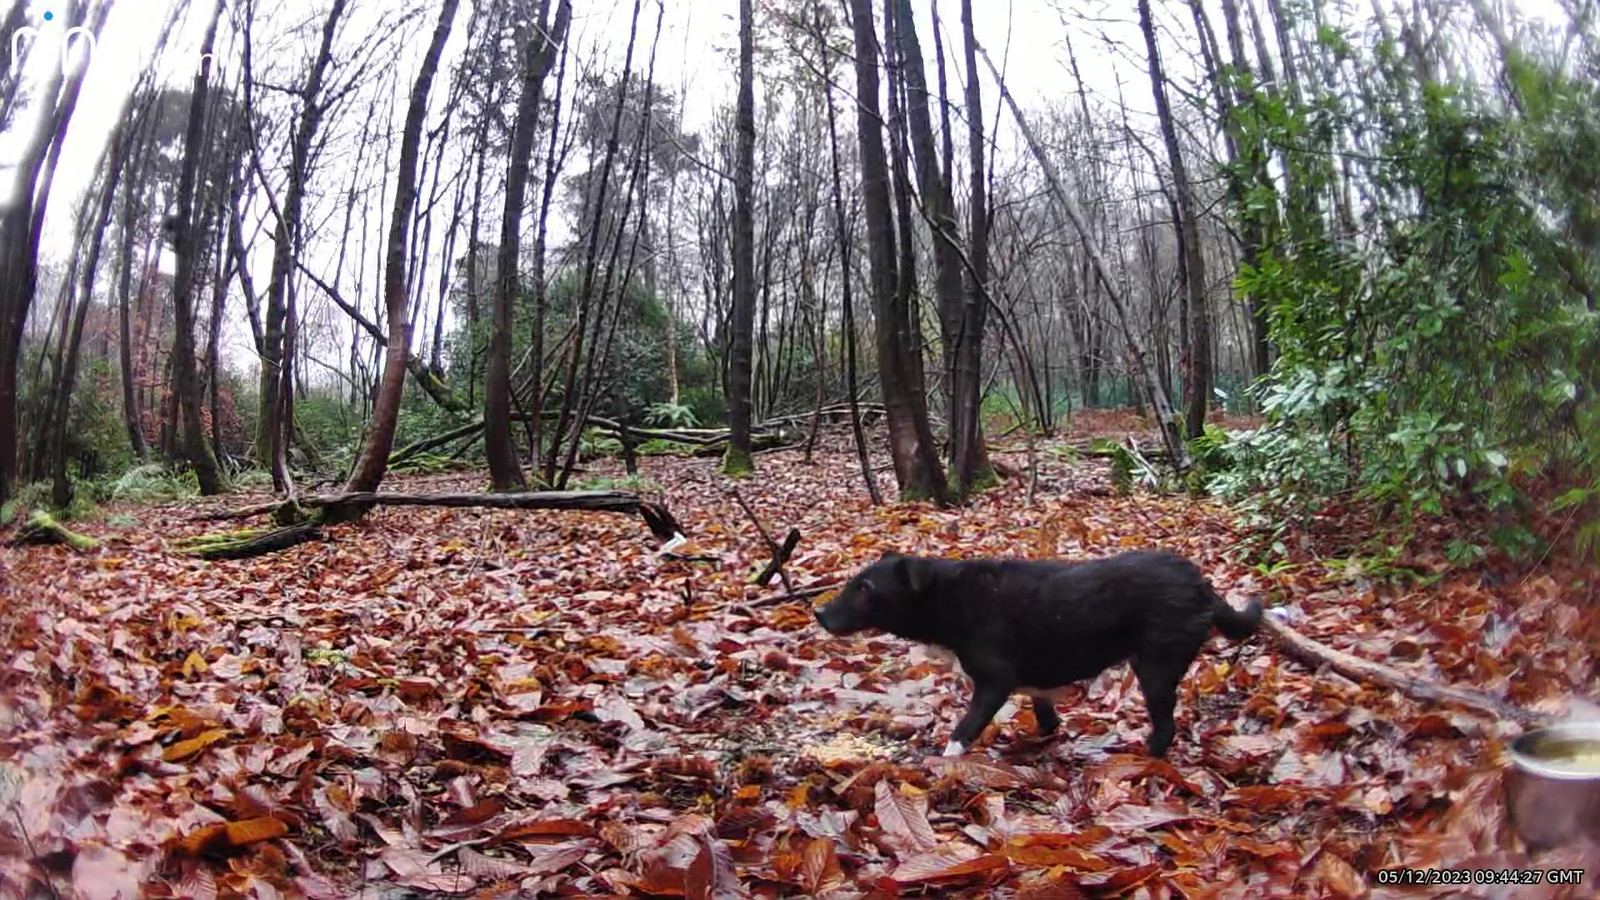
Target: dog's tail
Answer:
pixel 1235 624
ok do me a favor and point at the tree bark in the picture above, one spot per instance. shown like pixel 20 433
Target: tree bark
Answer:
pixel 962 341
pixel 61 487
pixel 842 232
pixel 20 226
pixel 186 247
pixel 738 460
pixel 971 460
pixel 916 463
pixel 374 458
pixel 505 472
pixel 131 213
pixel 1197 386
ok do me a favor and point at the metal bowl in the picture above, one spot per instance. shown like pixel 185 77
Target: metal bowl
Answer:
pixel 1553 785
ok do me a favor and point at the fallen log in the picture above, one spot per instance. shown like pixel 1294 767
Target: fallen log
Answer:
pixel 42 528
pixel 1315 655
pixel 345 507
pixel 249 543
pixel 426 444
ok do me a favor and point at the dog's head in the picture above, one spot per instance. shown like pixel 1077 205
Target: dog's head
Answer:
pixel 884 596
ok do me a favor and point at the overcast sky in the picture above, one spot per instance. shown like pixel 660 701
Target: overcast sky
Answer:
pixel 695 54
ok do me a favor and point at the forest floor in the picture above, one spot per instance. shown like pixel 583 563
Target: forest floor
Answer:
pixel 439 702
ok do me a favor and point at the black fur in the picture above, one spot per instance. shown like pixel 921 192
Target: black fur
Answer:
pixel 1018 624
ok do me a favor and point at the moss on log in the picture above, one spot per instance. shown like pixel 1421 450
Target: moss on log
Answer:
pixel 42 528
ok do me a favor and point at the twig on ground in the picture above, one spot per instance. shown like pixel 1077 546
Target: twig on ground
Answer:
pixel 1314 655
pixel 780 554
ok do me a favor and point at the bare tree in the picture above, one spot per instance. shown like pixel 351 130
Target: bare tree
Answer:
pixel 20 225
pixel 374 458
pixel 1155 391
pixel 187 247
pixel 911 443
pixel 273 420
pixel 504 470
pixel 737 460
pixel 961 335
pixel 1197 384
pixel 968 455
pixel 842 231
pixel 111 173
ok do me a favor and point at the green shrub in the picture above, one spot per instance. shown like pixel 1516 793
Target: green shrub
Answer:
pixel 663 447
pixel 671 415
pixel 637 484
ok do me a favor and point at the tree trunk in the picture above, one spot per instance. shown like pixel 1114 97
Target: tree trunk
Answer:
pixel 842 231
pixel 131 418
pixel 61 487
pixel 20 227
pixel 374 458
pixel 1256 226
pixel 1197 387
pixel 971 460
pixel 540 290
pixel 187 248
pixel 287 227
pixel 961 342
pixel 569 397
pixel 505 472
pixel 738 461
pixel 916 462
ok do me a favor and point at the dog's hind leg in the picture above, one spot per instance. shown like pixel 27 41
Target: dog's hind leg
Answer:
pixel 1159 674
pixel 1044 712
pixel 987 698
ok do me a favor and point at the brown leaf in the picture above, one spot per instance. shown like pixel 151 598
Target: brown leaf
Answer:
pixel 335 818
pixel 933 868
pixel 1121 879
pixel 1050 887
pixel 1339 876
pixel 534 830
pixel 226 837
pixel 978 771
pixel 252 831
pixel 475 814
pixel 1053 850
pixel 1131 817
pixel 545 859
pixel 184 749
pixel 904 815
pixel 819 868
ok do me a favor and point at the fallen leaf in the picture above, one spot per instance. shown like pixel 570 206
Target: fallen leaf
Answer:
pixel 903 814
pixel 184 749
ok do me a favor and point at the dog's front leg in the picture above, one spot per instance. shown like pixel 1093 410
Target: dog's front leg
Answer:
pixel 987 698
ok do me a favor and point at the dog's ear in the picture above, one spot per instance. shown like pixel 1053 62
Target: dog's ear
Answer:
pixel 911 572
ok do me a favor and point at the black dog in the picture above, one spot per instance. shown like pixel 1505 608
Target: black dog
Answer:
pixel 1032 625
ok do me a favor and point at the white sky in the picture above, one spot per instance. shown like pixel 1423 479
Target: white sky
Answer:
pixel 1023 36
